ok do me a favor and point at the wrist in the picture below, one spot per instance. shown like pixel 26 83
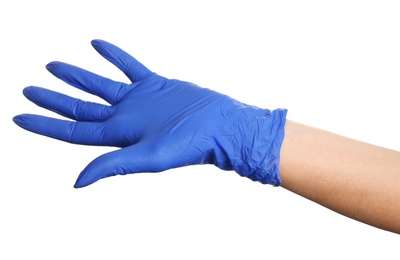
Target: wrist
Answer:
pixel 252 142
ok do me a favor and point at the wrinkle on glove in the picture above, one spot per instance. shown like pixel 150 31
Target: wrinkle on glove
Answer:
pixel 158 123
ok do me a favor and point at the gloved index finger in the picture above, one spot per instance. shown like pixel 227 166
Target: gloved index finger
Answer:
pixel 132 68
pixel 109 90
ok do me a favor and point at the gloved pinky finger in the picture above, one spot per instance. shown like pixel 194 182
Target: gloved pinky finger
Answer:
pixel 87 133
pixel 132 68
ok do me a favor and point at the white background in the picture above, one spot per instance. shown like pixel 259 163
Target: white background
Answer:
pixel 333 64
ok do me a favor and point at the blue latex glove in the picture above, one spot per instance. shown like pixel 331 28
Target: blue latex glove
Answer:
pixel 160 123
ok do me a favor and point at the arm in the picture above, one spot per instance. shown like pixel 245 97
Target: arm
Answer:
pixel 161 123
pixel 356 179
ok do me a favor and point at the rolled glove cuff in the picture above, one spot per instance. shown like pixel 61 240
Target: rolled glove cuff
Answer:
pixel 254 150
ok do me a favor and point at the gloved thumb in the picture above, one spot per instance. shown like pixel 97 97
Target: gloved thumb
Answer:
pixel 140 157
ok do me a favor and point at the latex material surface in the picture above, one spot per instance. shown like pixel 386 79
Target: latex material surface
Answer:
pixel 159 123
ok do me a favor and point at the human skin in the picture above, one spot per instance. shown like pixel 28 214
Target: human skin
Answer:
pixel 356 179
pixel 353 178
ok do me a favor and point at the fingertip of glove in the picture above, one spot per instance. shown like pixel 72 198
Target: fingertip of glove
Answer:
pixel 27 91
pixel 85 179
pixel 20 120
pixel 30 91
pixel 79 183
pixel 78 186
pixel 98 43
pixel 52 65
pixel 17 119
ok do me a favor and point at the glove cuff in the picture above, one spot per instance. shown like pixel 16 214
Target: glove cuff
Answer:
pixel 253 150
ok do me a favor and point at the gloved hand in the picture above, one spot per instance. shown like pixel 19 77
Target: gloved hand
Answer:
pixel 160 123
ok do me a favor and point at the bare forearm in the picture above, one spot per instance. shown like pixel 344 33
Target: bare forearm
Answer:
pixel 356 179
